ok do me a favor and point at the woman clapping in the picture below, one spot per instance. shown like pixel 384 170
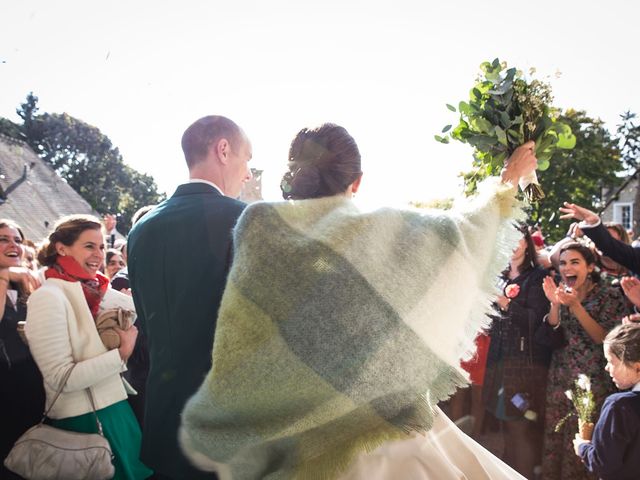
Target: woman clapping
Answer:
pixel 583 310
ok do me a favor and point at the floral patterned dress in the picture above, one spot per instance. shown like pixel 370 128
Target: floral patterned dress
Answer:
pixel 607 306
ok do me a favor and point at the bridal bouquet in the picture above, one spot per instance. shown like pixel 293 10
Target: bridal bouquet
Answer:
pixel 505 110
pixel 582 398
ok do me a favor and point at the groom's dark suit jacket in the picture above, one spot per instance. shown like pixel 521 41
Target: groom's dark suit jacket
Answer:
pixel 179 257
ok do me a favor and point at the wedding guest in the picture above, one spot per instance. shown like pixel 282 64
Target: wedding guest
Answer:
pixel 472 422
pixel 590 224
pixel 21 391
pixel 179 258
pixel 631 288
pixel 112 235
pixel 29 259
pixel 517 365
pixel 340 329
pixel 612 271
pixel 62 335
pixel 114 263
pixel 614 451
pixel 583 309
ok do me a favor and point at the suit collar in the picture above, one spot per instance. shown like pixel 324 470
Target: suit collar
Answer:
pixel 200 180
pixel 195 188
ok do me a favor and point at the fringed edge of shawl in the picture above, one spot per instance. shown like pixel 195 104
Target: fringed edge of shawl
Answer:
pixel 337 460
pixel 492 193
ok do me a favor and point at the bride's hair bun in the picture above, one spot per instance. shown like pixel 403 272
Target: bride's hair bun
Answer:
pixel 322 162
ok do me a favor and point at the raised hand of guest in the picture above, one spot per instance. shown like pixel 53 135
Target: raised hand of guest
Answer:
pixel 631 288
pixel 551 290
pixel 567 296
pixel 571 210
pixel 27 278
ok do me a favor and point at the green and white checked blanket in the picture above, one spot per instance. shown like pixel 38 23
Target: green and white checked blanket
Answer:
pixel 340 329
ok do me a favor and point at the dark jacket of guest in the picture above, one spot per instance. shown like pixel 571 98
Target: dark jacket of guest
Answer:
pixel 614 451
pixel 179 257
pixel 517 363
pixel 21 390
pixel 618 251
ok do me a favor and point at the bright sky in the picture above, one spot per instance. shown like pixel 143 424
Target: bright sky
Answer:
pixel 142 71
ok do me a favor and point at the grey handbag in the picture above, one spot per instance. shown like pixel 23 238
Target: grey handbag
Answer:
pixel 47 453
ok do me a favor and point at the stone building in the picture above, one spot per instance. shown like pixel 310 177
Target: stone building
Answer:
pixel 252 190
pixel 31 193
pixel 622 209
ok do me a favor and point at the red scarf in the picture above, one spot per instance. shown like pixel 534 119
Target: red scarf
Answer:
pixel 94 288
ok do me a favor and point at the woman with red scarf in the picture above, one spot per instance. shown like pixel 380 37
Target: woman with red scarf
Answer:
pixel 62 335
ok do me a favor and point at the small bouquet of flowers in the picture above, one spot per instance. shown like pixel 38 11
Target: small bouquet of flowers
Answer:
pixel 582 398
pixel 504 111
pixel 511 291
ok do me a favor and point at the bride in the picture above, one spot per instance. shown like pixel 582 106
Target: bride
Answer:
pixel 340 330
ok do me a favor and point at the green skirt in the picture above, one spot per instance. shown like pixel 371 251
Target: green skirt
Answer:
pixel 121 428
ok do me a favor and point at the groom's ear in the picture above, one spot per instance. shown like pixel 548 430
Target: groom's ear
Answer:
pixel 223 149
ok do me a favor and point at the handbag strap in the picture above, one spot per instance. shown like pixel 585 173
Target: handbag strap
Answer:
pixel 64 382
pixel 89 393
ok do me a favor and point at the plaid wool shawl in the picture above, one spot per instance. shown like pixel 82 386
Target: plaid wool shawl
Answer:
pixel 340 330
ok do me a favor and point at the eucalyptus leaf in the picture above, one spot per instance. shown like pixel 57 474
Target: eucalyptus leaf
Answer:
pixel 544 156
pixel 566 142
pixel 482 125
pixel 441 139
pixel 482 141
pixel 502 136
pixel 451 107
pixel 505 120
pixel 446 129
pixel 543 165
pixel 464 108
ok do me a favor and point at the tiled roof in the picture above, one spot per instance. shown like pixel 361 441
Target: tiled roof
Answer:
pixel 32 194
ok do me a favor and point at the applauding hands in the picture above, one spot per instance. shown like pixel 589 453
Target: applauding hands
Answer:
pixel 559 294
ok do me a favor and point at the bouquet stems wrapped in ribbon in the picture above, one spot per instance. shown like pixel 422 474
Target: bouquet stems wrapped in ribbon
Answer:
pixel 504 111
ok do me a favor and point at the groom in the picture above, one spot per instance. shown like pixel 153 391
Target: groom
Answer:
pixel 179 256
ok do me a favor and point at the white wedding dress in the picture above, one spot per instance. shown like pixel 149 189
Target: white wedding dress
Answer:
pixel 442 453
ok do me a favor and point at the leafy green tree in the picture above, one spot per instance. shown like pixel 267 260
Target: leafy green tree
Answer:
pixel 85 157
pixel 578 175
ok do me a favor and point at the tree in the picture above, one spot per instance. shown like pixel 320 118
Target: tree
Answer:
pixel 88 161
pixel 576 175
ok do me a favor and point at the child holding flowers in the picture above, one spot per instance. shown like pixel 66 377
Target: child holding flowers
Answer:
pixel 614 451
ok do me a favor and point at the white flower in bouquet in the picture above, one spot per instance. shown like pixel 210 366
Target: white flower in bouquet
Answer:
pixel 584 403
pixel 584 382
